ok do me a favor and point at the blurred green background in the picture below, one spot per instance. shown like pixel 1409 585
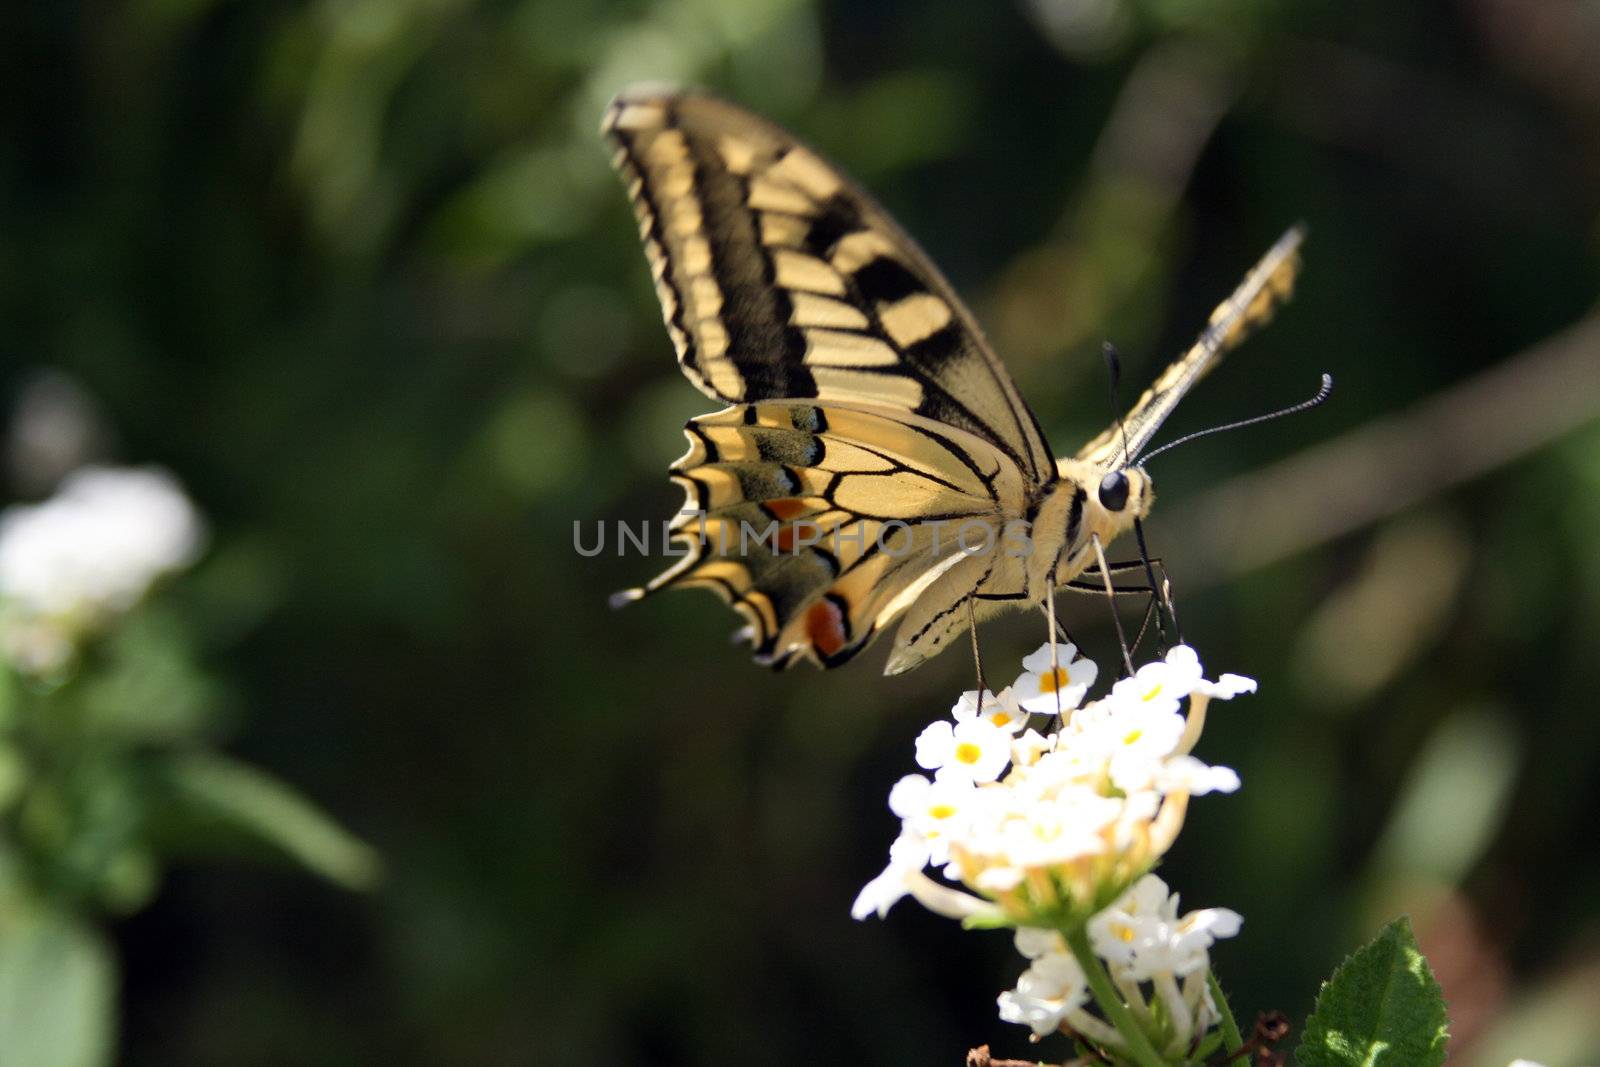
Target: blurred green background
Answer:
pixel 357 272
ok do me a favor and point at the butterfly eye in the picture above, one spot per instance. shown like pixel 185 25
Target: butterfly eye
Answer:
pixel 1114 491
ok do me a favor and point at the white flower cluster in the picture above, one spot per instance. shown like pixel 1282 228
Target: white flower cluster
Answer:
pixel 89 552
pixel 1047 827
pixel 1143 940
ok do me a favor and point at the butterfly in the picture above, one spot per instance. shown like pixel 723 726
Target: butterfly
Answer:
pixel 875 463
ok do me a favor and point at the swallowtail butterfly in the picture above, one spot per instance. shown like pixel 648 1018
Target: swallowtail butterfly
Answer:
pixel 867 415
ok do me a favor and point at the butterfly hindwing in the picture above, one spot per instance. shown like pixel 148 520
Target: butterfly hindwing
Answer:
pixel 822 523
pixel 779 279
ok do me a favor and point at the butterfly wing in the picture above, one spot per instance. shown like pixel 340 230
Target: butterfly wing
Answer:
pixel 820 524
pixel 1268 285
pixel 780 279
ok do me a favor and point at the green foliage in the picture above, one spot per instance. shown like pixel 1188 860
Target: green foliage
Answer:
pixel 216 801
pixel 106 773
pixel 1381 1008
pixel 58 986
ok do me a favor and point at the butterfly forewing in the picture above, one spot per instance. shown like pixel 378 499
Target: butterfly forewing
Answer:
pixel 1268 285
pixel 779 279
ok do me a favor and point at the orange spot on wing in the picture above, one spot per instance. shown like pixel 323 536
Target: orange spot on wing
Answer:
pixel 825 626
pixel 785 508
pixel 784 540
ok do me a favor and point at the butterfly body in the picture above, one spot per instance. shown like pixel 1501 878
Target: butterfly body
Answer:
pixel 876 464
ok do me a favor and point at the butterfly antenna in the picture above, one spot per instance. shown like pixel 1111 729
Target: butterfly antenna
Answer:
pixel 1113 360
pixel 1323 393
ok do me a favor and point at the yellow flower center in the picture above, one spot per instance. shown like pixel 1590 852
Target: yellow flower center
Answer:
pixel 942 811
pixel 1000 718
pixel 1151 693
pixel 1050 681
pixel 1132 736
pixel 967 752
pixel 1121 932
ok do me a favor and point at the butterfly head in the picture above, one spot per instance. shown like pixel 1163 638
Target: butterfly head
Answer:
pixel 1123 495
pixel 1111 500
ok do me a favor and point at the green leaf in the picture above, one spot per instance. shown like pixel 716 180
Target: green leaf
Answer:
pixel 142 683
pixel 58 984
pixel 1381 1008
pixel 211 793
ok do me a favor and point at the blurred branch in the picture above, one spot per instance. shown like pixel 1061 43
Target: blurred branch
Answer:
pixel 1393 462
pixel 982 1057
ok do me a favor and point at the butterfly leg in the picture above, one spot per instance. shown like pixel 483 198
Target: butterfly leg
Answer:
pixel 1055 663
pixel 1061 630
pixel 1150 611
pixel 977 658
pixel 1111 598
pixel 1162 592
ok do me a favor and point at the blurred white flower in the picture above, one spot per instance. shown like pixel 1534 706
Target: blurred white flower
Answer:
pixel 907 856
pixel 1035 941
pixel 1029 746
pixel 1189 775
pixel 1041 690
pixel 1142 936
pixel 87 553
pixel 1060 829
pixel 1050 989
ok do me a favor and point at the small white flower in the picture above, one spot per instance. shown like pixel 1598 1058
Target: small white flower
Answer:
pixel 1133 737
pixel 1026 749
pixel 1001 709
pixel 1183 671
pixel 999 878
pixel 1060 830
pixel 907 856
pixel 1038 690
pixel 1035 941
pixel 1162 683
pixel 1051 987
pixel 1191 776
pixel 1228 686
pixel 934 811
pixel 974 749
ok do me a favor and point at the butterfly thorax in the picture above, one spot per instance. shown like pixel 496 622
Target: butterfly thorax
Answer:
pixel 1071 514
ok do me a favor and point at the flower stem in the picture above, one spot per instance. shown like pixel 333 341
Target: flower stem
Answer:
pixel 1109 1002
pixel 1231 1038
